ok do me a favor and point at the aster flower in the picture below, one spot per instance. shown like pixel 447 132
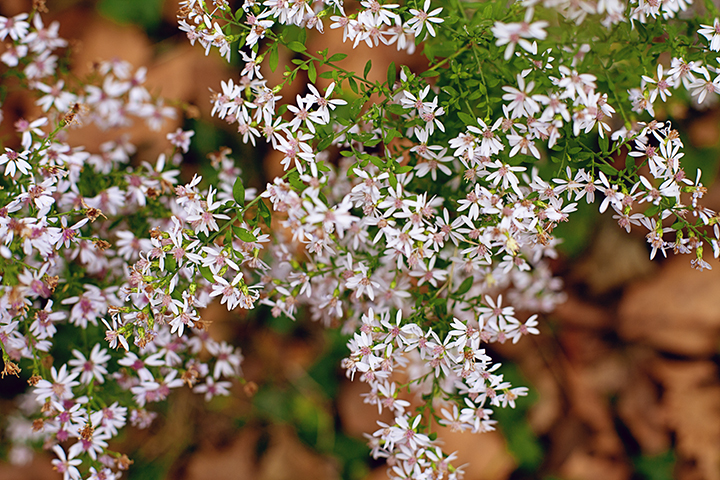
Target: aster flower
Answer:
pixel 423 18
pixel 711 32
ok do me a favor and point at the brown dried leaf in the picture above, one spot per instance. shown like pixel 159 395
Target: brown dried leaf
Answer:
pixel 236 461
pixel 675 311
pixel 288 459
pixel 691 406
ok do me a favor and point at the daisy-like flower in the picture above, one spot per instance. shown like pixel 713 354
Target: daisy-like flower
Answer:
pixel 252 67
pixel 55 96
pixel 496 315
pixel 15 161
pixel 712 33
pixel 211 388
pixel 16 27
pixel 490 143
pixel 181 139
pixel 429 273
pixel 60 388
pixel 203 219
pixel 324 103
pixel 522 104
pixel 423 18
pixel 361 283
pixel 435 163
pixel 67 465
pixel 92 368
pixel 512 34
pixel 661 85
pixel 701 87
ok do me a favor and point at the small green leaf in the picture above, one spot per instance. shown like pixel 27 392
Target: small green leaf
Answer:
pixel 608 169
pixel 264 213
pixel 274 57
pixel 243 234
pixel 325 142
pixel 465 118
pixel 337 57
pixel 205 271
pixel 391 75
pixel 312 73
pixel 630 163
pixel 239 192
pixel 377 162
pixel 464 286
pixel 296 46
pixel 368 67
pixel 353 84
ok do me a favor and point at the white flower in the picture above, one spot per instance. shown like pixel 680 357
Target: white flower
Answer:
pixel 67 465
pixel 712 33
pixel 15 161
pixel 424 18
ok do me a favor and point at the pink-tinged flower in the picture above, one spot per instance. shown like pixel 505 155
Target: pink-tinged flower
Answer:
pixel 202 218
pixel 360 282
pixel 181 139
pixel 211 388
pixel 423 18
pixel 16 27
pixel 92 368
pixel 66 464
pixel 15 161
pixel 59 389
pixel 711 32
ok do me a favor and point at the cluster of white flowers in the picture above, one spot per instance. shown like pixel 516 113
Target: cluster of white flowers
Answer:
pixel 425 239
pixel 72 227
pixel 377 246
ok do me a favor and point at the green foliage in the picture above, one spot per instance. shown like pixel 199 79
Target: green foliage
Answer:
pixel 145 13
pixel 657 467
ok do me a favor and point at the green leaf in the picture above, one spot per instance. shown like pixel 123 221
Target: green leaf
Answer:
pixel 264 213
pixel 630 163
pixel 244 234
pixel 465 118
pixel 464 286
pixel 353 84
pixel 391 75
pixel 608 169
pixel 368 67
pixel 312 73
pixel 294 179
pixel 392 180
pixel 205 271
pixel 377 162
pixel 604 144
pixel 396 109
pixel 274 57
pixel 356 106
pixel 296 46
pixel 392 133
pixel 337 57
pixel 325 142
pixel 652 211
pixel 239 192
